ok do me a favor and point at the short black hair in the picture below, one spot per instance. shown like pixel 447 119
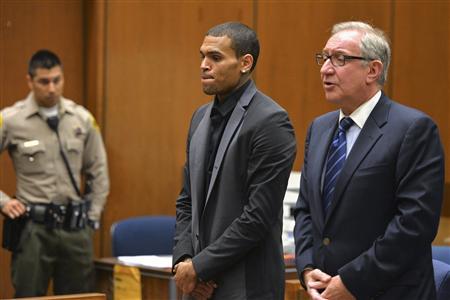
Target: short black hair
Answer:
pixel 243 39
pixel 43 58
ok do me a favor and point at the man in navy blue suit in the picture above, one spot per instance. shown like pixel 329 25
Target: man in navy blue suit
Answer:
pixel 372 181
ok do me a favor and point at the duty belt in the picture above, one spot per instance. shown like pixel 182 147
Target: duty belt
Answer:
pixel 68 217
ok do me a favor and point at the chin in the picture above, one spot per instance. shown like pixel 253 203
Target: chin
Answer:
pixel 332 98
pixel 209 90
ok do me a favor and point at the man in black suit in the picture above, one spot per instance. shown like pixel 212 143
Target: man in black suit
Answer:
pixel 240 152
pixel 371 187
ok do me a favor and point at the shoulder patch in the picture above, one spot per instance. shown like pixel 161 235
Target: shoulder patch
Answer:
pixel 94 123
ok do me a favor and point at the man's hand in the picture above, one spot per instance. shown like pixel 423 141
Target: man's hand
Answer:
pixel 316 280
pixel 185 276
pixel 336 290
pixel 203 290
pixel 13 208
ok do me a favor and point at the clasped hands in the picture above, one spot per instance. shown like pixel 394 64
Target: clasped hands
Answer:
pixel 187 281
pixel 332 287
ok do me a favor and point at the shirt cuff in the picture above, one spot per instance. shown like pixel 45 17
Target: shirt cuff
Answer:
pixel 302 281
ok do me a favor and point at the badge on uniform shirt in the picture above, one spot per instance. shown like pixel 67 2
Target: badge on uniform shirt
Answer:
pixel 77 131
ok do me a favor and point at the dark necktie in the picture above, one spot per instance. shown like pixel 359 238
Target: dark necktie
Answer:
pixel 335 162
pixel 53 123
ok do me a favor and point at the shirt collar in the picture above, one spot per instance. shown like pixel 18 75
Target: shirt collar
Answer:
pixel 33 108
pixel 228 104
pixel 361 114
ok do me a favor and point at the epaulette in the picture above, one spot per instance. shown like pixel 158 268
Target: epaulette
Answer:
pixel 85 115
pixel 12 110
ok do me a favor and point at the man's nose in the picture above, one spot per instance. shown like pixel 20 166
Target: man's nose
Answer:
pixel 327 67
pixel 51 86
pixel 204 64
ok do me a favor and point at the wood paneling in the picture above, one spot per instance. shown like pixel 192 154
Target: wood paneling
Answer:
pixel 94 58
pixel 26 26
pixel 152 89
pixel 290 34
pixel 135 65
pixel 421 62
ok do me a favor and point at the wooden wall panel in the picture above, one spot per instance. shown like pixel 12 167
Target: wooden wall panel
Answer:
pixel 94 57
pixel 137 63
pixel 26 26
pixel 421 65
pixel 152 89
pixel 94 73
pixel 290 34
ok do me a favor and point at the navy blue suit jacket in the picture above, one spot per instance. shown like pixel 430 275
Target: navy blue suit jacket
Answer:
pixel 378 231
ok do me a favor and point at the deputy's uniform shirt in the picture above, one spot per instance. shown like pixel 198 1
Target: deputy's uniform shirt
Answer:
pixel 41 175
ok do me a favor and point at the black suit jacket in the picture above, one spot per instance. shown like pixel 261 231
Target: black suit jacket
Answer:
pixel 378 231
pixel 235 238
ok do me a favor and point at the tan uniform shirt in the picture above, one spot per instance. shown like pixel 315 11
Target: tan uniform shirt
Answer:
pixel 41 175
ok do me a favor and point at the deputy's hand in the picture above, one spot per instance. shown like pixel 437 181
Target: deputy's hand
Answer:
pixel 316 280
pixel 185 276
pixel 13 208
pixel 204 290
pixel 336 290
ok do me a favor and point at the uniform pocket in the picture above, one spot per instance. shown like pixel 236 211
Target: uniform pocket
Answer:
pixel 31 157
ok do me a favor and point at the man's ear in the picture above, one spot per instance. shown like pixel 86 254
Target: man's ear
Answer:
pixel 375 70
pixel 246 63
pixel 29 81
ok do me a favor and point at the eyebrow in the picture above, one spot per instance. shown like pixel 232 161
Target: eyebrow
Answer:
pixel 49 78
pixel 211 52
pixel 334 52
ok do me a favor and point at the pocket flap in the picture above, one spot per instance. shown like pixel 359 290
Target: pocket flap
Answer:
pixel 74 145
pixel 31 147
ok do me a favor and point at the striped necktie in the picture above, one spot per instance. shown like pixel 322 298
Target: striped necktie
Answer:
pixel 335 161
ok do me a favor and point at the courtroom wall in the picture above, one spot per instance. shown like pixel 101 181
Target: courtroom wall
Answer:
pixel 135 65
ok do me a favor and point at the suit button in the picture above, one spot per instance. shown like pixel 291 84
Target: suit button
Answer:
pixel 326 241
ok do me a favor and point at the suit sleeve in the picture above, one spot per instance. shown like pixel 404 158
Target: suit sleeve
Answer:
pixel 272 154
pixel 303 225
pixel 183 246
pixel 182 241
pixel 418 195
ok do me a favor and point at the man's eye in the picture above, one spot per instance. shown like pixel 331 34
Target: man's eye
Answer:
pixel 43 81
pixel 56 80
pixel 340 57
pixel 216 57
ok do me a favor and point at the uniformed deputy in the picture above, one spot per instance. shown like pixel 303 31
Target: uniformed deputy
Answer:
pixel 52 142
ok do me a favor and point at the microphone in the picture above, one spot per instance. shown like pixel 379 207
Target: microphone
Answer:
pixel 53 123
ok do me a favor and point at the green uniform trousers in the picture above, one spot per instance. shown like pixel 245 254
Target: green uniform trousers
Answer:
pixel 44 254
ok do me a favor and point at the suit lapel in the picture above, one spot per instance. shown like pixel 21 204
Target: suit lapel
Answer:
pixel 319 155
pixel 197 156
pixel 232 128
pixel 369 135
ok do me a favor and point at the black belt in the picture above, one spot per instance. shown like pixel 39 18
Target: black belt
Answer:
pixel 72 216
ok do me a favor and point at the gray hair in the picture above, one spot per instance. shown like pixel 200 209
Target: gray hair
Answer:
pixel 374 44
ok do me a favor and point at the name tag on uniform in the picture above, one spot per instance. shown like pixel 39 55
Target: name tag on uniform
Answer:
pixel 32 143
